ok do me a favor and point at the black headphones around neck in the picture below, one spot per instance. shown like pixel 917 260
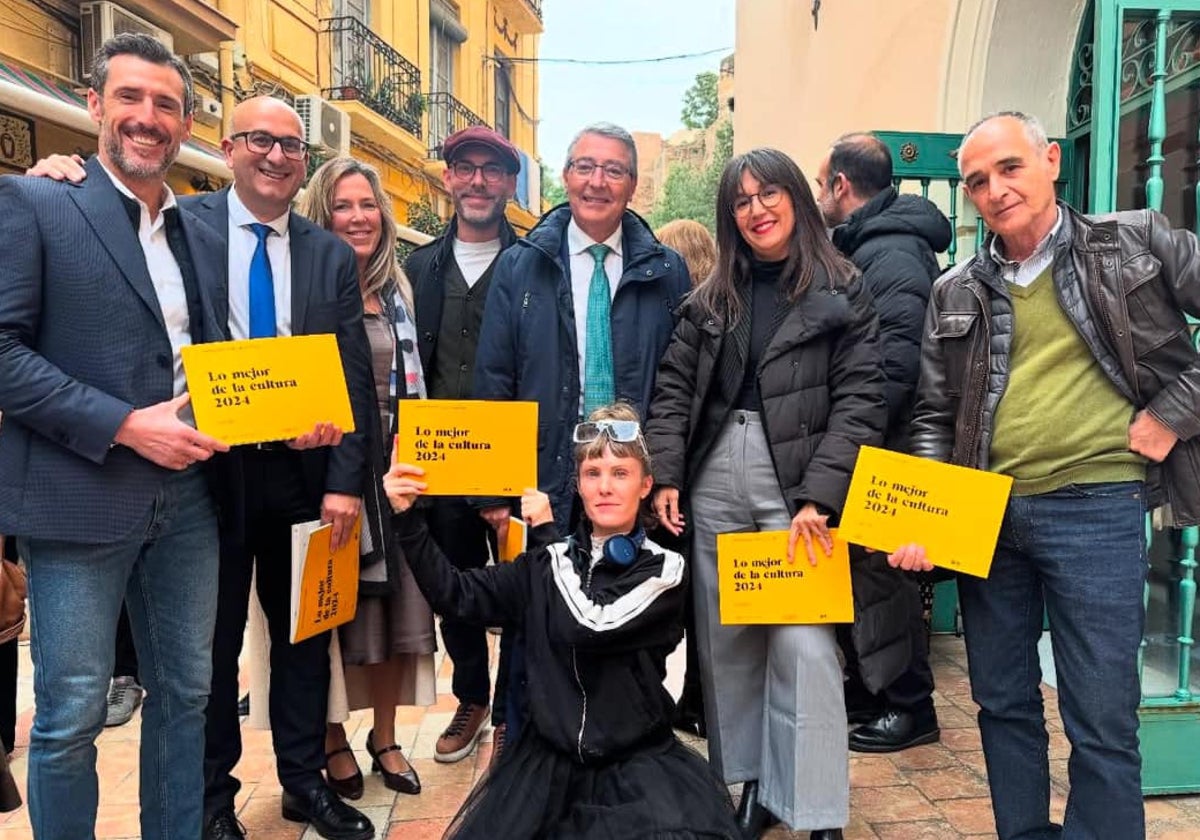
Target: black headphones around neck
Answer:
pixel 619 549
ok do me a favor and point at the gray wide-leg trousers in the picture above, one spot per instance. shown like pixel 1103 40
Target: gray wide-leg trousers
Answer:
pixel 772 693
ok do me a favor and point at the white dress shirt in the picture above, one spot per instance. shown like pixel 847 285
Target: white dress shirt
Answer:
pixel 242 244
pixel 582 265
pixel 165 275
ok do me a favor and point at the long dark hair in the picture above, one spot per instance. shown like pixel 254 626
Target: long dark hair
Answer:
pixel 809 247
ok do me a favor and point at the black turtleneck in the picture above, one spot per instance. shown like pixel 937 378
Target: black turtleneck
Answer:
pixel 765 296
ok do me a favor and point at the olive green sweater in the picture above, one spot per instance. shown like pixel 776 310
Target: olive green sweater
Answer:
pixel 1060 421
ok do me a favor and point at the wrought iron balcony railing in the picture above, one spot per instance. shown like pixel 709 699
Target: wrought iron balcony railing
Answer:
pixel 366 68
pixel 536 5
pixel 446 116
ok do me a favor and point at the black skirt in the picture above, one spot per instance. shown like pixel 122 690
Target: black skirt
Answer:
pixel 661 792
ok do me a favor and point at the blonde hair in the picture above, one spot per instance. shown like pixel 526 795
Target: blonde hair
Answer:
pixel 694 243
pixel 596 448
pixel 317 206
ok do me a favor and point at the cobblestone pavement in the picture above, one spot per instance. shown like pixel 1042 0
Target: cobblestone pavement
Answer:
pixel 937 792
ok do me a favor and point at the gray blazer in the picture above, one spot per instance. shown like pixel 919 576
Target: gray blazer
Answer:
pixel 82 343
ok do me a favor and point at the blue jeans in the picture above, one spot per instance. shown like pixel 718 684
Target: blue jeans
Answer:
pixel 166 572
pixel 1079 551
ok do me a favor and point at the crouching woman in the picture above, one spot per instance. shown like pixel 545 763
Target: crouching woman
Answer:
pixel 600 612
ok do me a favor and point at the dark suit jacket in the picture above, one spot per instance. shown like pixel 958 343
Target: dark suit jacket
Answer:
pixel 325 299
pixel 82 343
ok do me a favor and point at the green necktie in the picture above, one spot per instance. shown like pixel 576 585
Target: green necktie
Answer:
pixel 598 388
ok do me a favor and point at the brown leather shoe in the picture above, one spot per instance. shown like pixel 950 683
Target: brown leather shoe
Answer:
pixel 462 734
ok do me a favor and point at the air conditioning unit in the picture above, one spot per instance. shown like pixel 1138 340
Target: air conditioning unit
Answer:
pixel 99 21
pixel 208 110
pixel 326 126
pixel 205 62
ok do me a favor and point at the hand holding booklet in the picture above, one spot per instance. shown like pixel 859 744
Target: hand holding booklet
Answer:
pixel 324 582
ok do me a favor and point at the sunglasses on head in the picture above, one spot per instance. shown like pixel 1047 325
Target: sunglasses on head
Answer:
pixel 619 431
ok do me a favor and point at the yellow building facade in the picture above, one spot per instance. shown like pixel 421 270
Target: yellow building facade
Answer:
pixel 383 80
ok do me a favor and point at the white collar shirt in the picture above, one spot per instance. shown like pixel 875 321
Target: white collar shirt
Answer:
pixel 164 274
pixel 242 244
pixel 1025 271
pixel 582 266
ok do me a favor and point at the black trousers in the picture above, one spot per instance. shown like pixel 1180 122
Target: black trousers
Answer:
pixel 126 663
pixel 464 537
pixel 910 692
pixel 299 693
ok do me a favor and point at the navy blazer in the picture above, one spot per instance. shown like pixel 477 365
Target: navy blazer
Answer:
pixel 82 344
pixel 325 299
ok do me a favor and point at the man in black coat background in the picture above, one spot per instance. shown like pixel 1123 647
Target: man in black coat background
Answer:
pixel 893 240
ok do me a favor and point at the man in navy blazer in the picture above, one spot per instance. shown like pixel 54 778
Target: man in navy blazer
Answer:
pixel 100 478
pixel 265 489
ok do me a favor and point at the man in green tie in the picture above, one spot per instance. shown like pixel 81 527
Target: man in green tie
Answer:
pixel 580 311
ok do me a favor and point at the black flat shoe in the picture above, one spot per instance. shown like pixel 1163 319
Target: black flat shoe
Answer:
pixel 752 818
pixel 404 782
pixel 223 825
pixel 350 787
pixel 826 834
pixel 332 818
pixel 895 730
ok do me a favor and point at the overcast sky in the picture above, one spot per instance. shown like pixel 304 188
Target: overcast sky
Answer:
pixel 640 97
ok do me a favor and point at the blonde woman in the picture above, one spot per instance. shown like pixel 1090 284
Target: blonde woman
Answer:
pixel 388 649
pixel 694 243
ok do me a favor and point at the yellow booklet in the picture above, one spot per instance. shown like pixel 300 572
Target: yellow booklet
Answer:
pixel 757 585
pixel 517 540
pixel 470 447
pixel 324 582
pixel 267 389
pixel 954 512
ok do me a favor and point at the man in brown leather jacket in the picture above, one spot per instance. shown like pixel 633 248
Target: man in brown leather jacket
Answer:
pixel 1060 355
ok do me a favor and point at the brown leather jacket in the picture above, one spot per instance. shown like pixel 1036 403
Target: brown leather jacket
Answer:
pixel 1125 280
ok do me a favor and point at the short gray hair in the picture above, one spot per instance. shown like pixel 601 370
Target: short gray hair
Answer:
pixel 148 49
pixel 1035 132
pixel 611 130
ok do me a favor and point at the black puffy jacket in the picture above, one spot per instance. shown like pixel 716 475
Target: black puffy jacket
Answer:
pixel 821 385
pixel 892 239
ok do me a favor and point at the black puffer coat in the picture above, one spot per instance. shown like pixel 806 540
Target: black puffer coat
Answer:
pixel 821 382
pixel 892 239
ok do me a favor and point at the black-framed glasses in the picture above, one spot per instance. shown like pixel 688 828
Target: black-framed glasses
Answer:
pixel 584 167
pixel 618 431
pixel 769 196
pixel 261 143
pixel 464 170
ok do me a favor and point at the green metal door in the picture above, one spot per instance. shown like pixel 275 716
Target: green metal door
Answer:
pixel 1132 118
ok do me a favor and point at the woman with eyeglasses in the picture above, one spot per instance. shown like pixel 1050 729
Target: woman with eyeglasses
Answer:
pixel 388 648
pixel 769 387
pixel 601 610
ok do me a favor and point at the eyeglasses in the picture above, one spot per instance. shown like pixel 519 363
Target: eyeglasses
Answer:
pixel 262 142
pixel 769 196
pixel 618 431
pixel 584 167
pixel 464 170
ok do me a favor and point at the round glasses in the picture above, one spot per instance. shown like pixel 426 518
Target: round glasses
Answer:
pixel 769 196
pixel 464 170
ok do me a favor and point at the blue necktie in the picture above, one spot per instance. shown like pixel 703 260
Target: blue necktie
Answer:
pixel 598 387
pixel 262 286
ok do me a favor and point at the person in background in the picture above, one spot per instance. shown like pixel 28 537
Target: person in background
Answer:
pixel 600 610
pixel 451 277
pixel 124 693
pixel 893 240
pixel 769 387
pixel 695 244
pixel 388 648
